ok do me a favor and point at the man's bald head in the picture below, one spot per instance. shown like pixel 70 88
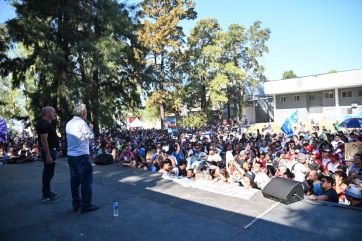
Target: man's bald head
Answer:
pixel 48 113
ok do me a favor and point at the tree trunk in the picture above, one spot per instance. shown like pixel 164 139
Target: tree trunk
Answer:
pixel 241 95
pixel 60 84
pixel 161 79
pixel 95 102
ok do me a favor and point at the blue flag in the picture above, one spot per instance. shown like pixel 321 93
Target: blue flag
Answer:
pixel 294 117
pixel 287 128
pixel 3 131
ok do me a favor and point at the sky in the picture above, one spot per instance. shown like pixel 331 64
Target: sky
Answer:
pixel 307 36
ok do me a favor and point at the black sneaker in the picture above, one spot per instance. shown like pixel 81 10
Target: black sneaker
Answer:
pixel 53 194
pixel 76 209
pixel 50 200
pixel 89 208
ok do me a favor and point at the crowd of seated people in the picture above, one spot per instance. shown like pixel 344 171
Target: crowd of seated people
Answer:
pixel 313 157
pixel 19 150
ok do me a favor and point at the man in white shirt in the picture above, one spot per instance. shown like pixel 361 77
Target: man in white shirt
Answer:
pixel 81 169
pixel 299 169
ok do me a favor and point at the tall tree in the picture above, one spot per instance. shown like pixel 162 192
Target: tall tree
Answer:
pixel 162 35
pixel 222 63
pixel 78 51
pixel 197 64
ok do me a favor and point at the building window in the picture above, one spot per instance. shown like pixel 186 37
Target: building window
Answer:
pixel 346 94
pixel 283 99
pixel 329 95
pixel 360 93
pixel 296 98
pixel 311 97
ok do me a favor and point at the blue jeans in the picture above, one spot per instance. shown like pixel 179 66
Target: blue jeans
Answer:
pixel 48 173
pixel 81 174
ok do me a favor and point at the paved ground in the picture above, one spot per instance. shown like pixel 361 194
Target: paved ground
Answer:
pixel 155 209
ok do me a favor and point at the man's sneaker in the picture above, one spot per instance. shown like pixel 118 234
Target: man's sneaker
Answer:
pixel 50 200
pixel 53 194
pixel 89 208
pixel 76 209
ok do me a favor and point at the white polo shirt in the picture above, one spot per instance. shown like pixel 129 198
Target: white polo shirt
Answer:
pixel 78 135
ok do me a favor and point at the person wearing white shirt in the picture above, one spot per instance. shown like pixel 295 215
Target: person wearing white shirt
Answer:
pixel 337 141
pixel 81 169
pixel 261 179
pixel 299 169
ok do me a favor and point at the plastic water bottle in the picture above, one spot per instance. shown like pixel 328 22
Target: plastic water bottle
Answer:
pixel 115 209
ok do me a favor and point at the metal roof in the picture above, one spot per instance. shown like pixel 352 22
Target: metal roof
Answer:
pixel 344 79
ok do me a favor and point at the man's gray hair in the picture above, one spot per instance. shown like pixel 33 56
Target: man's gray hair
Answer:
pixel 79 109
pixel 46 109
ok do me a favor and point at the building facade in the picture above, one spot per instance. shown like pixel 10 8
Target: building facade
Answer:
pixel 324 97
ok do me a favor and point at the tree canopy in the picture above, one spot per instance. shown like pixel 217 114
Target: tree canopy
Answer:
pixel 118 58
pixel 289 74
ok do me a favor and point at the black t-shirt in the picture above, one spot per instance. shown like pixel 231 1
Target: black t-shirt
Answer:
pixel 44 127
pixel 332 195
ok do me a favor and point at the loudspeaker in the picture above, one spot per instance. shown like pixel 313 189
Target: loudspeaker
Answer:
pixel 103 159
pixel 283 190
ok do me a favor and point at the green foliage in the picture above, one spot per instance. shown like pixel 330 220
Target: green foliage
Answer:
pixel 289 74
pixel 76 51
pixel 221 63
pixel 193 120
pixel 12 101
pixel 161 34
pixel 332 71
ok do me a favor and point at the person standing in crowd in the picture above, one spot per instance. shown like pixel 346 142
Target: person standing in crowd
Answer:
pixel 48 143
pixel 81 170
pixel 299 168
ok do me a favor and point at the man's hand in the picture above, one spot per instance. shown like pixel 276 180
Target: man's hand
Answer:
pixel 313 197
pixel 91 126
pixel 49 159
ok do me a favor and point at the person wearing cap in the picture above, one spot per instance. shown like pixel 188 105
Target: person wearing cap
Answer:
pixel 334 163
pixel 354 196
pixel 299 168
pixel 309 148
pixel 248 180
pixel 355 165
pixel 325 156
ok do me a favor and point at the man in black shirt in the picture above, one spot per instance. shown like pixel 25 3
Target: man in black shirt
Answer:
pixel 48 143
pixel 328 194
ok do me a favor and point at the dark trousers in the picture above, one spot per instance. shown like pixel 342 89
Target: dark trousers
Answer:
pixel 48 173
pixel 81 174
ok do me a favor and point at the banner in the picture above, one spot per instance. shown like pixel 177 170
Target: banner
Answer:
pixel 287 128
pixel 351 149
pixel 294 117
pixel 133 123
pixel 3 131
pixel 171 125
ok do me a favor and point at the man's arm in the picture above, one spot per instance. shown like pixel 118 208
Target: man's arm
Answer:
pixel 88 131
pixel 319 198
pixel 45 147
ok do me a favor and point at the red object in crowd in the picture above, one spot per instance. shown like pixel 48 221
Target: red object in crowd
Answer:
pixel 309 148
